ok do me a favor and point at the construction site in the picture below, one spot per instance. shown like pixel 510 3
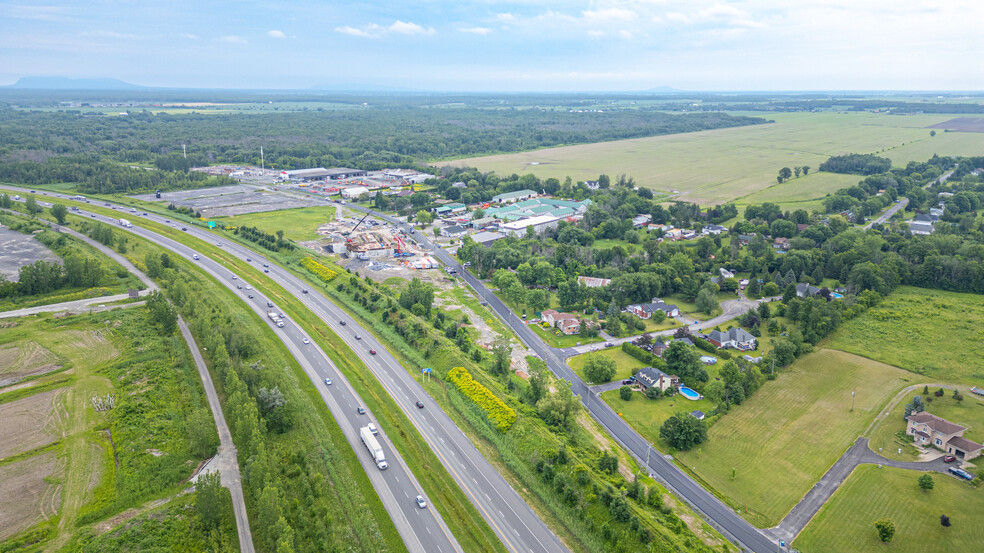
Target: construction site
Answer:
pixel 367 239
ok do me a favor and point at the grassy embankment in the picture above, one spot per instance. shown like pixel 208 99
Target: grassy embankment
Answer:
pixel 847 522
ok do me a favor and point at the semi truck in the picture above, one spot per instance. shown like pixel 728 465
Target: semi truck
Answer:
pixel 275 318
pixel 373 446
pixel 125 223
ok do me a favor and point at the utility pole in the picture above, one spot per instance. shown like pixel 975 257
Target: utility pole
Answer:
pixel 852 401
pixel 184 150
pixel 262 166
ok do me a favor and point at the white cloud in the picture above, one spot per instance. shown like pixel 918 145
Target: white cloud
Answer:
pixel 625 34
pixel 373 30
pixel 596 33
pixel 476 30
pixel 276 34
pixel 233 39
pixel 609 14
pixel 189 36
pixel 506 18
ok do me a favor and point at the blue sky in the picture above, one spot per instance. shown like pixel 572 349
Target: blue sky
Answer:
pixel 476 45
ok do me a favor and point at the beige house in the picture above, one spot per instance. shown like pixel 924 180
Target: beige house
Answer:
pixel 568 323
pixel 927 429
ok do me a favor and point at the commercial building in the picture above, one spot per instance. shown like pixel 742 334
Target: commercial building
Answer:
pixel 538 224
pixel 487 238
pixel 354 192
pixel 306 175
pixel 513 197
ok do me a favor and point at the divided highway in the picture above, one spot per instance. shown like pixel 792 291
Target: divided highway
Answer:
pixel 513 521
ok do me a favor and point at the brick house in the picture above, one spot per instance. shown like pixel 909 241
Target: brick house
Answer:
pixel 648 377
pixel 736 338
pixel 568 323
pixel 646 310
pixel 927 429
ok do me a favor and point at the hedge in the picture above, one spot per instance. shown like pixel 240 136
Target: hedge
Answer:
pixel 709 347
pixel 501 415
pixel 322 272
pixel 642 355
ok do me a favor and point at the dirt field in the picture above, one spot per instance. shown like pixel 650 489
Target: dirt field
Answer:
pixel 17 250
pixel 228 200
pixel 27 498
pixel 27 423
pixel 23 359
pixel 962 124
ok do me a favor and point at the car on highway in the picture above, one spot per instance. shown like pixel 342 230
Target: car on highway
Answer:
pixel 327 382
pixel 107 205
pixel 266 265
pixel 305 291
pixel 357 337
pixel 93 216
pixel 269 304
pixel 219 244
pixel 249 259
pixel 372 352
pixel 184 228
pixel 195 257
pixel 167 220
pixel 361 411
pixel 306 341
pixel 145 214
pixel 248 287
pixel 419 404
pixel 250 296
pixel 949 458
pixel 234 277
pixel 609 344
pixel 266 270
pixel 282 316
pixel 420 502
pixel 239 286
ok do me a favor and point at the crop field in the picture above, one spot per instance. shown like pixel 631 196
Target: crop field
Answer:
pixel 27 496
pixel 728 164
pixel 781 440
pixel 28 423
pixel 847 522
pixel 28 358
pixel 906 330
pixel 969 413
pixel 625 364
pixel 298 224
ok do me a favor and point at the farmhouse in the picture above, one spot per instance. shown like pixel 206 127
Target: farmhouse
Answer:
pixel 737 338
pixel 745 239
pixel 594 282
pixel 568 323
pixel 513 197
pixel 646 310
pixel 640 221
pixel 648 377
pixel 944 435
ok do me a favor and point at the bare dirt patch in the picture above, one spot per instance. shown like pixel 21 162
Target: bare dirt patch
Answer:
pixel 23 490
pixel 24 359
pixel 27 424
pixel 961 124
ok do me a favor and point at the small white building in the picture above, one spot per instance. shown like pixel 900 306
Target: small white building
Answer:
pixel 354 192
pixel 539 224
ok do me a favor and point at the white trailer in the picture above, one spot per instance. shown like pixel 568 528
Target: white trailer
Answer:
pixel 125 223
pixel 373 446
pixel 275 318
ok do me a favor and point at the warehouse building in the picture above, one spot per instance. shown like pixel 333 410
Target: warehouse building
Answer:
pixel 538 224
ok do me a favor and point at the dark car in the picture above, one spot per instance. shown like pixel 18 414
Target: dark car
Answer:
pixel 184 228
pixel 372 352
pixel 249 259
pixel 305 291
pixel 420 405
pixel 343 323
pixel 949 458
pixel 361 411
pixel 627 382
pixel 609 344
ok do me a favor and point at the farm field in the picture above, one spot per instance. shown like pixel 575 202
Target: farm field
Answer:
pixel 727 164
pixel 28 423
pixel 847 522
pixel 299 224
pixel 781 440
pixel 905 330
pixel 28 497
pixel 969 413
pixel 625 364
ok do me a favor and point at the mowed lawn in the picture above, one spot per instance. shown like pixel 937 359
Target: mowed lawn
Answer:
pixel 791 431
pixel 934 333
pixel 299 224
pixel 726 164
pixel 846 524
pixel 969 412
pixel 625 364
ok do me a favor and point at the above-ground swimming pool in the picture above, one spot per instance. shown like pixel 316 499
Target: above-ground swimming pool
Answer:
pixel 689 394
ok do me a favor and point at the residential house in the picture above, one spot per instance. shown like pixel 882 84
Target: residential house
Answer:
pixel 804 290
pixel 736 338
pixel 568 323
pixel 648 377
pixel 689 234
pixel 658 347
pixel 781 244
pixel 459 184
pixel 713 229
pixel 745 239
pixel 800 227
pixel 592 184
pixel 642 220
pixel 513 197
pixel 594 282
pixel 454 231
pixel 921 225
pixel 646 310
pixel 726 273
pixel 928 429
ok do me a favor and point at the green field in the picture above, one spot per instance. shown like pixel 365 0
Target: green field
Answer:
pixel 299 224
pixel 969 413
pixel 929 332
pixel 782 439
pixel 846 522
pixel 625 364
pixel 647 415
pixel 727 164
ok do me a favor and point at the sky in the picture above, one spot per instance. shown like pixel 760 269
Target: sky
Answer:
pixel 487 45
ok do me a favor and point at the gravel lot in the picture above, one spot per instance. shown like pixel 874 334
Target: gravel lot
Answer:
pixel 17 250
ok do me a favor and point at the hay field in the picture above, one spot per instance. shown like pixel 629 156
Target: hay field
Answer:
pixel 782 440
pixel 726 164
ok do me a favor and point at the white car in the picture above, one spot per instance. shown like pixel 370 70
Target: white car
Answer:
pixel 420 502
pixel 372 429
pixel 195 257
pixel 306 341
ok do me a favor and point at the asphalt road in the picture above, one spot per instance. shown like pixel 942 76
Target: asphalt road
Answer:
pixel 712 509
pixel 518 527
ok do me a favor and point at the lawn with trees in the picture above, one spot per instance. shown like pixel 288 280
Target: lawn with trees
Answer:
pixel 846 524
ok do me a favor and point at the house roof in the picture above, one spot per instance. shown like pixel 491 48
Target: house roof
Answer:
pixel 510 195
pixel 557 315
pixel 935 423
pixel 651 375
pixel 594 282
pixel 454 229
pixel 735 334
pixel 699 415
pixel 965 444
pixel 487 237
pixel 807 289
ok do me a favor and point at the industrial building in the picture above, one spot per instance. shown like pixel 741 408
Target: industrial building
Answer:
pixel 354 192
pixel 512 197
pixel 340 173
pixel 538 224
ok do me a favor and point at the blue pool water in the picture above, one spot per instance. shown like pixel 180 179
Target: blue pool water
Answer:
pixel 836 295
pixel 689 394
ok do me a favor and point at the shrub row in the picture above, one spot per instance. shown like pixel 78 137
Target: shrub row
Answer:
pixel 646 357
pixel 709 347
pixel 501 415
pixel 322 272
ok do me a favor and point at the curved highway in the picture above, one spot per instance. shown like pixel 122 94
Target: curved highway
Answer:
pixel 510 517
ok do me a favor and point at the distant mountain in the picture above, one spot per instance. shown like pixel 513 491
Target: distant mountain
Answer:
pixel 65 83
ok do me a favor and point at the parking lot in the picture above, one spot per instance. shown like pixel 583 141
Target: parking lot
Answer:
pixel 229 200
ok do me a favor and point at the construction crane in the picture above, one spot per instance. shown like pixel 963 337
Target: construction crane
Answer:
pixel 356 225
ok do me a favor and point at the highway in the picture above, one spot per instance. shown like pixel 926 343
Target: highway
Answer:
pixel 509 516
pixel 711 508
